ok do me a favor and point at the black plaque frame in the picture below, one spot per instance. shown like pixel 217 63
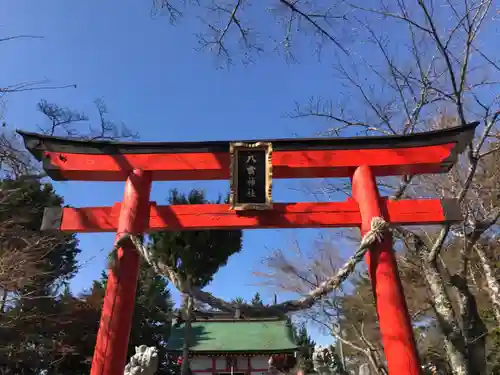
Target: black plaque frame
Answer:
pixel 234 149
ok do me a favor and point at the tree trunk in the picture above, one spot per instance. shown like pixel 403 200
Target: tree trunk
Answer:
pixel 373 354
pixel 473 327
pixel 364 369
pixel 3 301
pixel 377 363
pixel 454 342
pixel 185 368
pixel 493 285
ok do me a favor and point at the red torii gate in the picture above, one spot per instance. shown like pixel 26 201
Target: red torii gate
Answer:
pixel 362 159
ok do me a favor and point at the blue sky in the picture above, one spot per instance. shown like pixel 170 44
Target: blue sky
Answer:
pixel 152 78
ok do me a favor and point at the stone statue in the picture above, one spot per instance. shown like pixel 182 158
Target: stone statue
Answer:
pixel 364 369
pixel 323 360
pixel 143 362
pixel 326 361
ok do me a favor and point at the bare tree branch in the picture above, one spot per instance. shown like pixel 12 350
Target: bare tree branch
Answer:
pixel 64 119
pixel 226 30
pixel 22 36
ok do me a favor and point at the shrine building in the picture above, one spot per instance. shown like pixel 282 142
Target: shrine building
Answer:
pixel 223 344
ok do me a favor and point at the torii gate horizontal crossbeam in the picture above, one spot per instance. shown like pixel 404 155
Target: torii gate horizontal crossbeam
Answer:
pixel 283 215
pixel 429 152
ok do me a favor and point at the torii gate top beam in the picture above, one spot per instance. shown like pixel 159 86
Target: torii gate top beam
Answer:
pixel 429 152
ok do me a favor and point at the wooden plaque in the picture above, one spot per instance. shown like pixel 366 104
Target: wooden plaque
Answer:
pixel 251 176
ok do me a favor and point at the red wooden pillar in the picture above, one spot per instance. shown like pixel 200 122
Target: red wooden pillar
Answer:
pixel 116 317
pixel 395 323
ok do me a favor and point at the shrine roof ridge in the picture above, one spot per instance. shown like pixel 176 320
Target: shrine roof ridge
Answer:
pixel 219 316
pixel 38 143
pixel 242 319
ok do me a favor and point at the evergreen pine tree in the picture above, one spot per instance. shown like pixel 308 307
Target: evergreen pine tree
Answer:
pixel 306 347
pixel 256 300
pixel 195 256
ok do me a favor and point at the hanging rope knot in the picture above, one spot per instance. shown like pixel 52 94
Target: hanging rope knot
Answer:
pixel 378 227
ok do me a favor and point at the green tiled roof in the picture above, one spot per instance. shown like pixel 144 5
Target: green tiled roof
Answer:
pixel 235 336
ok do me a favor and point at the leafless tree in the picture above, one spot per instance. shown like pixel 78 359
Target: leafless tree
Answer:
pixel 18 87
pixel 240 30
pixel 432 71
pixel 296 270
pixel 74 124
pixel 13 160
pixel 24 252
